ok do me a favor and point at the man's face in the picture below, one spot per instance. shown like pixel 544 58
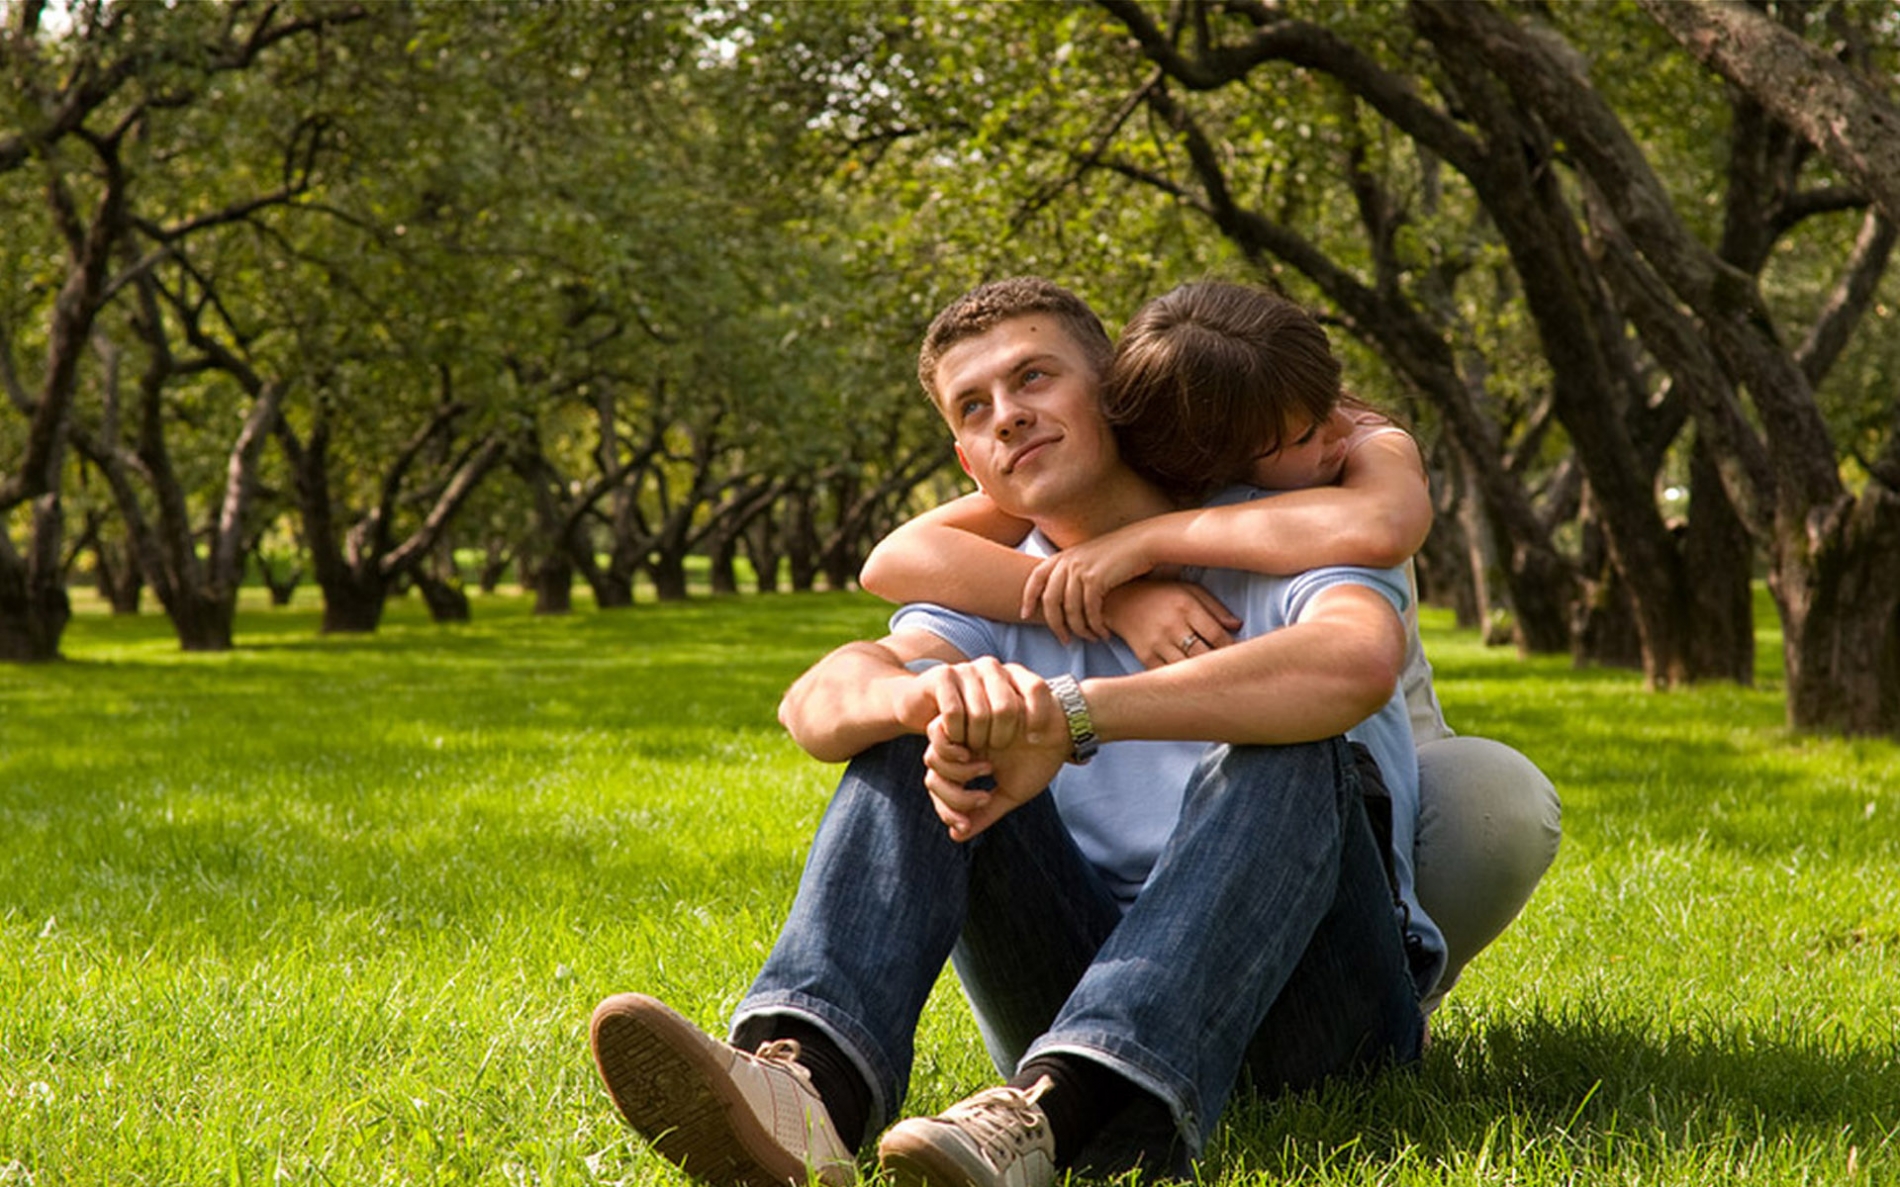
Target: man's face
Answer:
pixel 1022 402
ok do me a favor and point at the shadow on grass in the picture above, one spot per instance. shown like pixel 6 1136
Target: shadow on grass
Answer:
pixel 1587 1092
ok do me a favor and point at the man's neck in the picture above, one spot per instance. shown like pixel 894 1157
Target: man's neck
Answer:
pixel 1115 503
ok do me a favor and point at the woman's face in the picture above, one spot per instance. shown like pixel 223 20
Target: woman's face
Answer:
pixel 1310 455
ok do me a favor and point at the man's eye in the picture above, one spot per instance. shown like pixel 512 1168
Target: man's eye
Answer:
pixel 1032 374
pixel 969 408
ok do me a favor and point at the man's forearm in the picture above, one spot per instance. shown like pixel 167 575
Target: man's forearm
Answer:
pixel 845 703
pixel 1289 686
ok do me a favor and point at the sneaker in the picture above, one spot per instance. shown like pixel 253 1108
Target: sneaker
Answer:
pixel 998 1138
pixel 730 1117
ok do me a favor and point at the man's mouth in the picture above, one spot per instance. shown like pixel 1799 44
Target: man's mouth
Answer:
pixel 1026 452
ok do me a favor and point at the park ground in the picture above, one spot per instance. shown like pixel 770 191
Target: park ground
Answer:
pixel 335 909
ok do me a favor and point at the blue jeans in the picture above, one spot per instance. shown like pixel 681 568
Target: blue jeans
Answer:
pixel 1265 940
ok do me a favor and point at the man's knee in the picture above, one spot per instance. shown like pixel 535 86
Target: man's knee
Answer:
pixel 1325 768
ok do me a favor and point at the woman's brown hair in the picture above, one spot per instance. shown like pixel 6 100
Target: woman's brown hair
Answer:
pixel 1209 376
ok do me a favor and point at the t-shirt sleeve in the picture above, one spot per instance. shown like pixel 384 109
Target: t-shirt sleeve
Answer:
pixel 967 633
pixel 1389 583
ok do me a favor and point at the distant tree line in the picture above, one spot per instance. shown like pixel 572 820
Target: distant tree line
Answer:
pixel 341 292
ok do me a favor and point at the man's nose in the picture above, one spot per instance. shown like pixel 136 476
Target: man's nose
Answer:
pixel 1011 414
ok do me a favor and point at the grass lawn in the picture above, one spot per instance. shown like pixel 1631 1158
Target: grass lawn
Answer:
pixel 333 910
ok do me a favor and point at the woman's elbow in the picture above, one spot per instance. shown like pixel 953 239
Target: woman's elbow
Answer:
pixel 875 575
pixel 1389 541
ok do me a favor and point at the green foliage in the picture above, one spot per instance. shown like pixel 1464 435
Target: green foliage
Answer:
pixel 335 911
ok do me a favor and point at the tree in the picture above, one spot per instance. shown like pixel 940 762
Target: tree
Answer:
pixel 88 96
pixel 1834 555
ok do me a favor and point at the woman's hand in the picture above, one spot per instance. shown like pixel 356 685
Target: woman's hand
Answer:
pixel 1164 622
pixel 1072 586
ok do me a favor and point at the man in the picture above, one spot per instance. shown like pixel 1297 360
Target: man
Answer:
pixel 1171 914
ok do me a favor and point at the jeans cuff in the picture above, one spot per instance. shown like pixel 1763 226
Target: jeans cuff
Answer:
pixel 1169 1092
pixel 842 1031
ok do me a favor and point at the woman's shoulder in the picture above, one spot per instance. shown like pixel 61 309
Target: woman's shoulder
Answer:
pixel 1368 423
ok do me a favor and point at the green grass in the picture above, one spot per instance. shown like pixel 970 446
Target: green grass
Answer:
pixel 329 910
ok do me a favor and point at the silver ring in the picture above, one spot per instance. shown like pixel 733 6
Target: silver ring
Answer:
pixel 1193 637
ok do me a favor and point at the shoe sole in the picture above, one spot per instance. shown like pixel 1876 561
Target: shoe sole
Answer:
pixel 671 1084
pixel 920 1164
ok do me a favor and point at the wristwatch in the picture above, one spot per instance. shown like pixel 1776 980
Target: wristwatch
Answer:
pixel 1082 740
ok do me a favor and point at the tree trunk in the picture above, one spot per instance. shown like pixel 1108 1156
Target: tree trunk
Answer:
pixel 119 578
pixel 1838 587
pixel 31 620
pixel 203 623
pixel 725 577
pixel 1606 630
pixel 1443 565
pixel 553 581
pixel 34 608
pixel 446 599
pixel 841 565
pixel 354 606
pixel 801 542
pixel 282 585
pixel 495 562
pixel 613 594
pixel 762 549
pixel 668 573
pixel 1719 554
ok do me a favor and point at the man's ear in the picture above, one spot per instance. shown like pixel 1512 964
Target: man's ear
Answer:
pixel 965 463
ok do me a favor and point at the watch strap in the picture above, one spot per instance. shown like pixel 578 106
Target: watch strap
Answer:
pixel 1082 740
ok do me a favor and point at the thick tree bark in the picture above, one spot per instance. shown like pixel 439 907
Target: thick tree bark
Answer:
pixel 1832 555
pixel 801 540
pixel 358 572
pixel 198 590
pixel 667 571
pixel 1836 589
pixel 34 608
pixel 1829 105
pixel 1718 550
pixel 1541 584
pixel 763 550
pixel 552 578
pixel 353 603
pixel 447 600
pixel 1593 385
pixel 115 568
pixel 723 573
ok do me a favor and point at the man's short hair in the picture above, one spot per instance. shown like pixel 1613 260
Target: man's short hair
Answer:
pixel 987 306
pixel 1209 376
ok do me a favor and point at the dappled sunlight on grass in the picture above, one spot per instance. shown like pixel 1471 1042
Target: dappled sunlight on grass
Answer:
pixel 336 909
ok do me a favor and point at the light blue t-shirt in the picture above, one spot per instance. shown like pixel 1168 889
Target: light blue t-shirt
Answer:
pixel 1123 806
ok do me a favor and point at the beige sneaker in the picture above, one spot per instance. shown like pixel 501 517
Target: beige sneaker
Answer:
pixel 723 1115
pixel 998 1138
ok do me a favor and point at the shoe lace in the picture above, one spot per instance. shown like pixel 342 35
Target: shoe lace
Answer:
pixel 782 1052
pixel 1002 1121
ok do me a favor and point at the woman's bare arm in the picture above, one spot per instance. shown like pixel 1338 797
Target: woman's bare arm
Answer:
pixel 962 555
pixel 1377 515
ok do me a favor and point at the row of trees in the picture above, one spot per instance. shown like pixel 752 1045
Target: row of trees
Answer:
pixel 592 288
pixel 356 284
